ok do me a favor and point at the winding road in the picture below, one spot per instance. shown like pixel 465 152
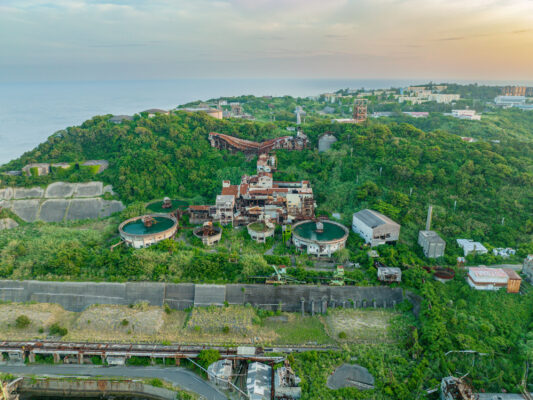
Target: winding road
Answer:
pixel 179 377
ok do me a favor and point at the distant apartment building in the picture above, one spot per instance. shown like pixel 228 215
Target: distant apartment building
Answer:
pixel 510 101
pixel 444 98
pixel 514 91
pixel 412 99
pixel 417 114
pixel 375 228
pixel 466 114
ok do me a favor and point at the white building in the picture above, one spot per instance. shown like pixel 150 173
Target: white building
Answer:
pixel 469 246
pixel 483 278
pixel 444 98
pixel 504 252
pixel 375 228
pixel 258 381
pixel 510 101
pixel 466 114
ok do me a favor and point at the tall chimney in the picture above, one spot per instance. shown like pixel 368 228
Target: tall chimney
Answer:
pixel 428 220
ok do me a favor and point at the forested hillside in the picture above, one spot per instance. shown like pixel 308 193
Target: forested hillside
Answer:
pixel 481 190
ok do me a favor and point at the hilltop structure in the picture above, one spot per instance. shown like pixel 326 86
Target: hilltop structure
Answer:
pixel 234 144
pixel 258 197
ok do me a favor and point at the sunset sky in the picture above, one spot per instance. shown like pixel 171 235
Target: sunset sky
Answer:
pixel 161 39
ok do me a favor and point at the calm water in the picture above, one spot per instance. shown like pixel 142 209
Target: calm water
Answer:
pixel 30 112
pixel 308 231
pixel 138 228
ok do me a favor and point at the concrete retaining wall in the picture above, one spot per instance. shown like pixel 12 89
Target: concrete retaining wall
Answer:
pixel 76 296
pixel 92 388
pixel 60 201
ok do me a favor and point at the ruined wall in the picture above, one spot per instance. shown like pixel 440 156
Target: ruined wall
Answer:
pixel 60 201
pixel 76 296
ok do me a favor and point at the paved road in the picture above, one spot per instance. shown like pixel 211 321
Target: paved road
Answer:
pixel 180 377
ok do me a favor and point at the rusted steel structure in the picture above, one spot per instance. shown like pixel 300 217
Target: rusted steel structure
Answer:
pixel 68 351
pixel 359 110
pixel 234 144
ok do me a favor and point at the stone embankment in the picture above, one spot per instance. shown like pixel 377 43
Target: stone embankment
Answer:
pixel 60 201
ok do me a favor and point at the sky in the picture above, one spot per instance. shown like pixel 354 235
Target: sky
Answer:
pixel 44 40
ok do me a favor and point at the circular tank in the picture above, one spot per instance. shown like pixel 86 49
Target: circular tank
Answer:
pixel 145 230
pixel 443 274
pixel 209 233
pixel 321 238
pixel 158 206
pixel 260 232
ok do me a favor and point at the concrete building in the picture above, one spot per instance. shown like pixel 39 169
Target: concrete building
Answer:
pixel 389 274
pixel 36 169
pixel 483 278
pixel 466 114
pixel 258 381
pixel 325 142
pixel 514 91
pixel 504 252
pixel 152 112
pixel 375 228
pixel 117 119
pixel 469 247
pixel 527 267
pixel 212 112
pixel 266 163
pixel 417 114
pixel 444 98
pixel 510 101
pixel 259 196
pixel 99 165
pixel 220 373
pixel 432 244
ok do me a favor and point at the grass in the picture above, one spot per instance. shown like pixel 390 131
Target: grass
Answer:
pixel 231 325
pixel 299 330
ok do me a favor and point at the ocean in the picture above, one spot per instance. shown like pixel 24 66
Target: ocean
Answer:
pixel 31 112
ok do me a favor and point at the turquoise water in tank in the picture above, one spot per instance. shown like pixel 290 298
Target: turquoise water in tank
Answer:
pixel 138 228
pixel 308 231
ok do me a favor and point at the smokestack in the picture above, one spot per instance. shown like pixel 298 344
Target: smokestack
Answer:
pixel 428 220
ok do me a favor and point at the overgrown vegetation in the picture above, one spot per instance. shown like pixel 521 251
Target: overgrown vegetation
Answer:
pixel 398 166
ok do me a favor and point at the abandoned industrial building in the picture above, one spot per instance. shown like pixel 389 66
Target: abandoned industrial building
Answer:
pixel 375 228
pixel 483 278
pixel 258 197
pixel 432 244
pixel 234 144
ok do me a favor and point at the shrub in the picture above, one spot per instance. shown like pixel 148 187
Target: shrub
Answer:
pixel 225 329
pixel 22 322
pixel 124 322
pixel 56 329
pixel 342 335
pixel 156 382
